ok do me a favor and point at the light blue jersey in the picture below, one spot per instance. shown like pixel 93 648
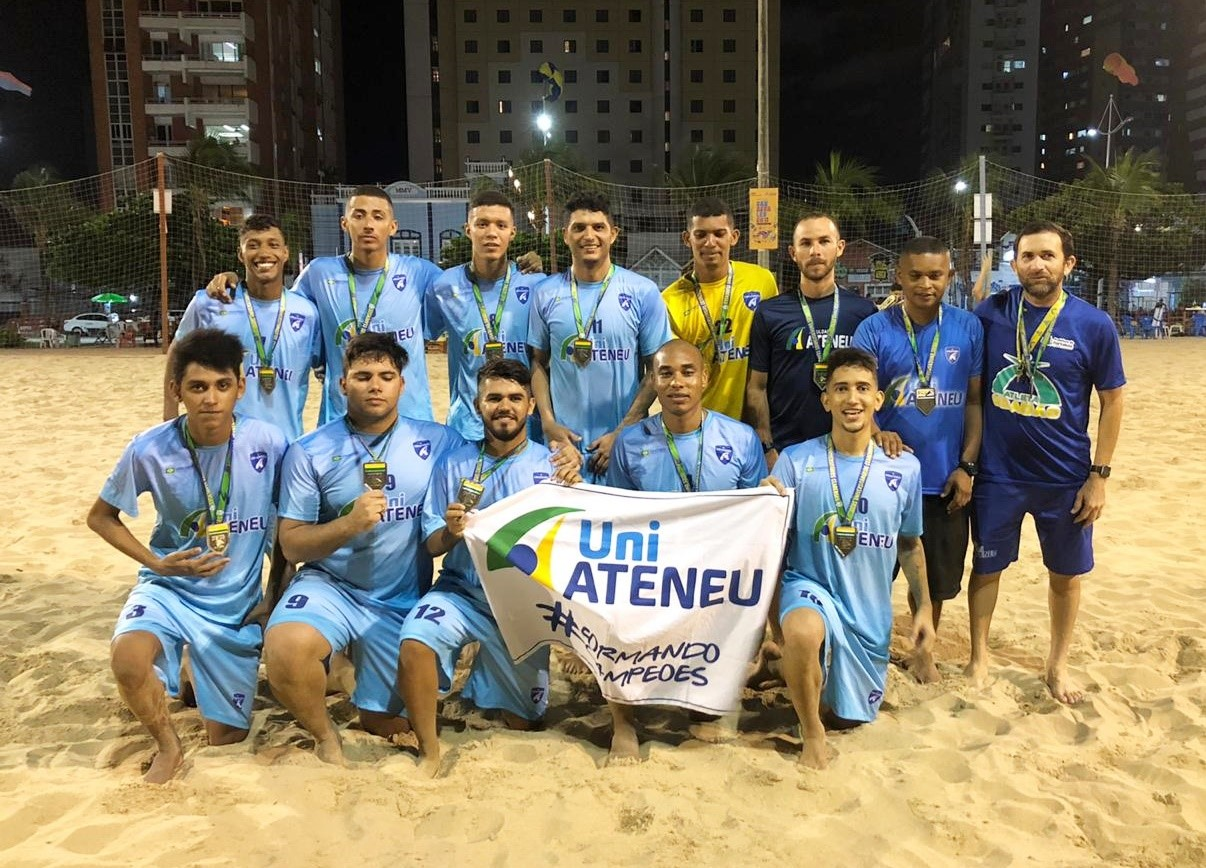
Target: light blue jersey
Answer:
pixel 297 351
pixel 861 582
pixel 399 311
pixel 936 439
pixel 158 461
pixel 631 324
pixel 530 467
pixel 451 308
pixel 323 475
pixel 732 457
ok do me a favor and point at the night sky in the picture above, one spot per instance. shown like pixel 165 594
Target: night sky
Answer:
pixel 848 82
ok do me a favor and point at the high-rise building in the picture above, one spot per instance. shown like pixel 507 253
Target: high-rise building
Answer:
pixel 980 82
pixel 265 76
pixel 1195 101
pixel 1146 44
pixel 631 86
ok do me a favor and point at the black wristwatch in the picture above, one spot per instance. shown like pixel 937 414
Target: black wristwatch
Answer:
pixel 1102 470
pixel 767 447
pixel 969 467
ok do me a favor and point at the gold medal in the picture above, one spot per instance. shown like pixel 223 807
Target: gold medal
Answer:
pixel 471 493
pixel 376 474
pixel 494 350
pixel 267 378
pixel 845 538
pixel 926 399
pixel 820 374
pixel 582 351
pixel 217 537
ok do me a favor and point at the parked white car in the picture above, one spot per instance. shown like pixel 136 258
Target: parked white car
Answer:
pixel 87 324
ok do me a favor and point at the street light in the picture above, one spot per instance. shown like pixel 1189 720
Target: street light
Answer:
pixel 544 123
pixel 1107 126
pixel 961 186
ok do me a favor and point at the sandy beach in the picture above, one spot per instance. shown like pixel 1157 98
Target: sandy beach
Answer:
pixel 949 775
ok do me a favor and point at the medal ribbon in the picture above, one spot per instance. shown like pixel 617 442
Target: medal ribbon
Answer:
pixel 582 332
pixel 1040 338
pixel 923 373
pixel 384 440
pixel 361 326
pixel 812 330
pixel 215 506
pixel 684 479
pixel 481 476
pixel 846 513
pixel 491 324
pixel 724 307
pixel 265 356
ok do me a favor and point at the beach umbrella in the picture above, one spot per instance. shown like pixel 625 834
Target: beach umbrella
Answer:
pixel 109 298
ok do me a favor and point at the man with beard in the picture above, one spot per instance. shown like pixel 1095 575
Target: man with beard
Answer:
pixel 1045 352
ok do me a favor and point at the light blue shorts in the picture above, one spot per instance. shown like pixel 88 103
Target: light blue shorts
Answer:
pixel 854 675
pixel 447 620
pixel 225 660
pixel 370 633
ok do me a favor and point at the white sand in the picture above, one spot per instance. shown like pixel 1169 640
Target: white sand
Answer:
pixel 948 774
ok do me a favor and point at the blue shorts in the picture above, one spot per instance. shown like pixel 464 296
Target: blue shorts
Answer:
pixel 225 660
pixel 447 620
pixel 997 512
pixel 854 676
pixel 371 633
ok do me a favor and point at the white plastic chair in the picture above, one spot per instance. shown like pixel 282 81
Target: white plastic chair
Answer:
pixel 50 338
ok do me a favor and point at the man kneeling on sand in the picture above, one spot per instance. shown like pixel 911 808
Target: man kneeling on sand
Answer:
pixel 213 482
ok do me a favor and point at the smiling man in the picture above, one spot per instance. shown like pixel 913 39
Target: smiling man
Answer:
pixel 858 513
pixel 930 357
pixel 279 330
pixel 592 333
pixel 1046 351
pixel 712 305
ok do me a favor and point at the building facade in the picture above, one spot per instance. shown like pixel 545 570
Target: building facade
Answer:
pixel 629 86
pixel 265 76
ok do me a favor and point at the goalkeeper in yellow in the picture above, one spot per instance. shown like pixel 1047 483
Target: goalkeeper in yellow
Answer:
pixel 712 305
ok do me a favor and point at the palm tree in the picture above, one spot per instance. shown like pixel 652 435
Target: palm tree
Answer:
pixel 42 202
pixel 847 189
pixel 218 171
pixel 706 166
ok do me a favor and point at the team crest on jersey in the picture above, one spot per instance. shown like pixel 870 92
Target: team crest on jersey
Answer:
pixel 625 301
pixel 422 448
pixel 259 460
pixel 522 293
pixel 751 299
pixel 296 321
pixel 952 354
pixel 399 282
pixel 893 479
pixel 725 453
pixel 238 699
pixel 538 477
pixel 874 696
pixel 537 695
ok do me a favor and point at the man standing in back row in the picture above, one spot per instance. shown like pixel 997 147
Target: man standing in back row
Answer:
pixel 1045 352
pixel 792 337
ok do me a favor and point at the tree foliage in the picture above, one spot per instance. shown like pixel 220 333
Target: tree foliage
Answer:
pixel 707 166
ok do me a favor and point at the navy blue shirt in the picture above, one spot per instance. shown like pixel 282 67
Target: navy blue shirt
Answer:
pixel 781 347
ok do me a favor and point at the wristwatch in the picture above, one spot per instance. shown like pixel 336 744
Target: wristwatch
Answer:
pixel 1102 470
pixel 969 467
pixel 767 447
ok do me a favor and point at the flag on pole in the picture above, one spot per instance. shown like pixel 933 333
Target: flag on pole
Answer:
pixel 8 81
pixel 664 596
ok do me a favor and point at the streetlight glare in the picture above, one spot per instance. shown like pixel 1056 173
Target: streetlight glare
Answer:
pixel 544 123
pixel 1093 132
pixel 960 186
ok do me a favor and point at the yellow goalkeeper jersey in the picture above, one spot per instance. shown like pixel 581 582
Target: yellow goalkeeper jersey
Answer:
pixel 729 351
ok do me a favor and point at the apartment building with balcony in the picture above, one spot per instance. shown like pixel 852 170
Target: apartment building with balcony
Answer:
pixel 264 76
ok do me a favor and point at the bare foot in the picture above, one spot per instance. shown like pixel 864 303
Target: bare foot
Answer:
pixel 330 750
pixel 977 672
pixel 715 730
pixel 814 753
pixel 429 763
pixel 1063 688
pixel 921 666
pixel 165 764
pixel 625 747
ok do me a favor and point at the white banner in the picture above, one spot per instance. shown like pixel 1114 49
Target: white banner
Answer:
pixel 664 596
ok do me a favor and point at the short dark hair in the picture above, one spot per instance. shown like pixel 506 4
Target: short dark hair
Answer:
pixel 210 348
pixel 370 190
pixel 1034 227
pixel 587 200
pixel 852 357
pixel 505 369
pixel 259 223
pixel 816 215
pixel 375 345
pixel 482 198
pixel 923 245
pixel 710 206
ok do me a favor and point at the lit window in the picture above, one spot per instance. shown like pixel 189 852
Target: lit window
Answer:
pixel 1162 61
pixel 1085 52
pixel 1088 19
